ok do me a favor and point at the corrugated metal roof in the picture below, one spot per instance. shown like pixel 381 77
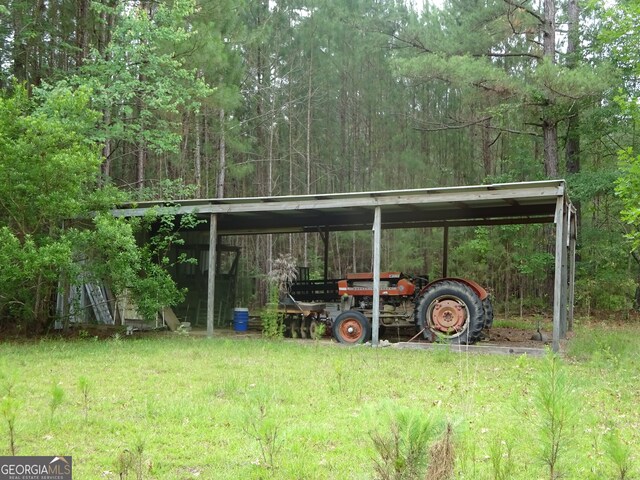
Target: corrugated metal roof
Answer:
pixel 495 204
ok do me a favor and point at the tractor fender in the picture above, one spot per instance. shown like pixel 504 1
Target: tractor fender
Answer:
pixel 481 292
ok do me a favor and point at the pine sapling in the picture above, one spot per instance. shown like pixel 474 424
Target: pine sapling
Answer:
pixel 57 397
pixel 85 387
pixel 403 451
pixel 555 411
pixel 619 453
pixel 9 411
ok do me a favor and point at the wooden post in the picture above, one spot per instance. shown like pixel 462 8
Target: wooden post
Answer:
pixel 573 238
pixel 445 252
pixel 211 280
pixel 325 237
pixel 557 285
pixel 376 277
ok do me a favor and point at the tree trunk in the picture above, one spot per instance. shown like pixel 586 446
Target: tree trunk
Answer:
pixel 19 53
pixel 207 159
pixel 37 46
pixel 549 31
pixel 108 20
pixel 290 125
pixel 486 148
pixel 197 155
pixel 141 163
pixel 308 153
pixel 549 124
pixel 82 37
pixel 106 149
pixel 550 136
pixel 186 132
pixel 573 122
pixel 222 164
pixel 270 186
pixel 140 152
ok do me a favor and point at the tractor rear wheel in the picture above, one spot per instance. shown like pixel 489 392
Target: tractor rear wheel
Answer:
pixel 452 312
pixel 488 312
pixel 352 327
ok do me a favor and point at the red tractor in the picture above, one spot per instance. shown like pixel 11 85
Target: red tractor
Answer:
pixel 454 310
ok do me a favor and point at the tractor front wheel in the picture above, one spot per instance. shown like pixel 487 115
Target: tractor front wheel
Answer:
pixel 351 327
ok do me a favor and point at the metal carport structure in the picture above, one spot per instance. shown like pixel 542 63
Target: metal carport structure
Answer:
pixel 495 204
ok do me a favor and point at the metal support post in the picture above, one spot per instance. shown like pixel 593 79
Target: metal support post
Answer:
pixel 376 276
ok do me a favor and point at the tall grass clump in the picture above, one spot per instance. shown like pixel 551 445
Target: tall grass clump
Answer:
pixel 606 347
pixel 501 459
pixel 265 428
pixel 443 456
pixel 132 460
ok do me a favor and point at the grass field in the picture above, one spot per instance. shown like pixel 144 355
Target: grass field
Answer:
pixel 180 407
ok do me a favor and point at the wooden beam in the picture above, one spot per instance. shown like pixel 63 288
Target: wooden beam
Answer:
pixel 377 225
pixel 557 286
pixel 564 272
pixel 250 230
pixel 573 238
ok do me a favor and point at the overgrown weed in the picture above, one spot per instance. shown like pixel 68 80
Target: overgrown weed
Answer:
pixel 132 460
pixel 265 427
pixel 501 458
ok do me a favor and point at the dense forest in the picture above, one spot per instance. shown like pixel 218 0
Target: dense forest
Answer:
pixel 105 101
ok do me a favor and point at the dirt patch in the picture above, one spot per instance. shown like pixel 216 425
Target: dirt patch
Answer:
pixel 517 337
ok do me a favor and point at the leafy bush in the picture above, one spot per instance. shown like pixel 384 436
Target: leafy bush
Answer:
pixel 55 225
pixel 272 324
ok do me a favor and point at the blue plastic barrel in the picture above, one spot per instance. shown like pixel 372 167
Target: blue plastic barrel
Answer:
pixel 240 319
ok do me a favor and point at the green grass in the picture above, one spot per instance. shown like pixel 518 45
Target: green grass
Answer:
pixel 180 407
